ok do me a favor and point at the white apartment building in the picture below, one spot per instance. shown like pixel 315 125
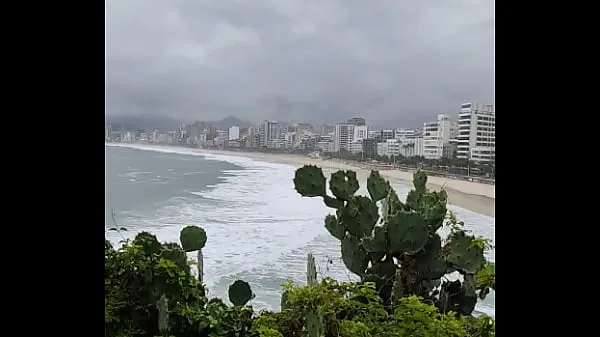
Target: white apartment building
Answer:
pixel 404 133
pixel 437 135
pixel 269 134
pixel 390 147
pixel 345 133
pixel 476 138
pixel 411 147
pixel 356 146
pixel 373 134
pixel 360 132
pixel 234 133
pixel 387 134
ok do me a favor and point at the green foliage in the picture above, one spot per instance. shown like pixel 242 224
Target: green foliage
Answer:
pixel 401 250
pixel 149 291
pixel 349 310
pixel 400 257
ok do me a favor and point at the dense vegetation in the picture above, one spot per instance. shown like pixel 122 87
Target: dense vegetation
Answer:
pixel 442 165
pixel 393 246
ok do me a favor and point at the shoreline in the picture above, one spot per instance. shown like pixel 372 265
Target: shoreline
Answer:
pixel 476 197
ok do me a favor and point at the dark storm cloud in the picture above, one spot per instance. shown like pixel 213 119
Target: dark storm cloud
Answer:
pixel 297 60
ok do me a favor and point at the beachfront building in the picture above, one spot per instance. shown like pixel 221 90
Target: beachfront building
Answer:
pixel 369 147
pixel 269 134
pixel 476 138
pixel 346 133
pixel 437 135
pixel 390 147
pixel 356 146
pixel 405 133
pixel 234 132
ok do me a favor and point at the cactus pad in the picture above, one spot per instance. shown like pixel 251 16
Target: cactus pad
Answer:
pixel 420 181
pixel 343 184
pixel 359 216
pixel 407 233
pixel 333 202
pixel 354 256
pixel 315 326
pixel 376 243
pixel 377 186
pixel 309 181
pixel 334 227
pixel 240 293
pixel 192 238
pixel 462 254
pixel 429 261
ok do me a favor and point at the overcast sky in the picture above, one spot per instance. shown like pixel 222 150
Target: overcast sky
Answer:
pixel 313 60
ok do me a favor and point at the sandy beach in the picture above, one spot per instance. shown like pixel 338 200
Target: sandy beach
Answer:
pixel 473 196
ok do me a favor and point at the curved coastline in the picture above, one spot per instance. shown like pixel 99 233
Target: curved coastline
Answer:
pixel 476 197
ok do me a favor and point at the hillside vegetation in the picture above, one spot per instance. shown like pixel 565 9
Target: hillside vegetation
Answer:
pixel 392 245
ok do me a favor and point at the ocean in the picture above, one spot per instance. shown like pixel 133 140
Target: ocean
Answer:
pixel 259 228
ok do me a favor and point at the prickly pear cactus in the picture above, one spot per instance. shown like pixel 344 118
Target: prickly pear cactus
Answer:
pixel 284 300
pixel 354 256
pixel 240 293
pixel 200 265
pixel 311 271
pixel 462 254
pixel 343 184
pixel 359 216
pixel 407 233
pixel 400 240
pixel 335 227
pixel 192 238
pixel 309 181
pixel 377 186
pixel 314 324
pixel 163 315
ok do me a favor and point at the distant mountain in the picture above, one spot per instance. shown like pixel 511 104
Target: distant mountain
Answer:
pixel 228 122
pixel 129 123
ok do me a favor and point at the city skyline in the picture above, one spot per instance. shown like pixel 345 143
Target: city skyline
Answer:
pixel 470 136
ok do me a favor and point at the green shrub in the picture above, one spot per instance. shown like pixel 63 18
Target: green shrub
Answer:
pixel 150 290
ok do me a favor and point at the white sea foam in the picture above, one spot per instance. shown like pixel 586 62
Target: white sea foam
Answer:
pixel 260 229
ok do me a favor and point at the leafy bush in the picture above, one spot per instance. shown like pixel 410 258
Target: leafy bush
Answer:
pixel 151 291
pixel 350 309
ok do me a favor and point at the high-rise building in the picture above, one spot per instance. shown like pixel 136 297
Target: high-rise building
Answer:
pixel 342 136
pixel 476 138
pixel 234 132
pixel 359 121
pixel 346 133
pixel 437 135
pixel 269 133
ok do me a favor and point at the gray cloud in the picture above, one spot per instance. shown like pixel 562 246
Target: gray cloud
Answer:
pixel 315 60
